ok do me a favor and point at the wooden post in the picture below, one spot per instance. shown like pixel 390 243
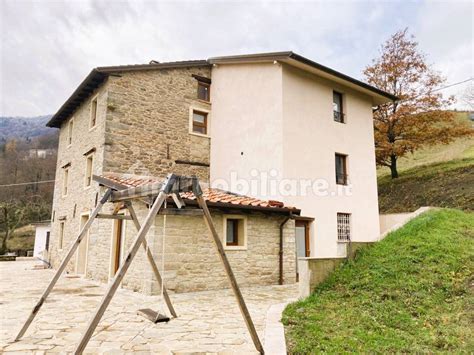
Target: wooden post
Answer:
pixel 149 255
pixel 64 263
pixel 121 272
pixel 229 272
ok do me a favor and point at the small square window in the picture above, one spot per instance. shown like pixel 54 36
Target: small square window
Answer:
pixel 234 229
pixel 89 169
pixel 93 120
pixel 341 169
pixel 337 107
pixel 199 122
pixel 343 227
pixel 204 91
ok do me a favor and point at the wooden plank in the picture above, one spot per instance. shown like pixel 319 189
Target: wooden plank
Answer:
pixel 121 272
pixel 64 263
pixel 113 216
pixel 229 272
pixel 148 190
pixel 181 212
pixel 151 259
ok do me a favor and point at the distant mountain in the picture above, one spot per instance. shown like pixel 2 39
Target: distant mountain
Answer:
pixel 24 128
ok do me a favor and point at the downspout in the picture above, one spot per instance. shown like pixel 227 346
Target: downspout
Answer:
pixel 280 252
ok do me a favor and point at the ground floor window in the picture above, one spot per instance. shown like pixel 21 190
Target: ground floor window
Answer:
pixel 235 231
pixel 343 227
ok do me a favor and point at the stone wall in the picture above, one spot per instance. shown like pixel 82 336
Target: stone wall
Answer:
pixel 80 199
pixel 191 259
pixel 148 123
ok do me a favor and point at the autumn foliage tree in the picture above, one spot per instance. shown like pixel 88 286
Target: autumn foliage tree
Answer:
pixel 419 118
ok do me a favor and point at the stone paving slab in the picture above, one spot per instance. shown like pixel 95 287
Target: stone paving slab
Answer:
pixel 208 322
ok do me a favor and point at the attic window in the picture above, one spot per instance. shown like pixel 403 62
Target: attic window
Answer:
pixel 70 127
pixel 203 88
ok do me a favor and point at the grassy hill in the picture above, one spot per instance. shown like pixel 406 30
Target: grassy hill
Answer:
pixel 412 292
pixel 441 175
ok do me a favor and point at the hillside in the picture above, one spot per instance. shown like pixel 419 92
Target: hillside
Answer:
pixel 410 293
pixel 24 128
pixel 442 175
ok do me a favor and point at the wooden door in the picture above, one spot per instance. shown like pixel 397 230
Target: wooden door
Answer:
pixel 81 261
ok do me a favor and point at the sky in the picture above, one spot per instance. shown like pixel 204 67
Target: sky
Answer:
pixel 48 47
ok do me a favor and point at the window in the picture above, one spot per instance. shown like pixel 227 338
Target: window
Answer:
pixel 337 108
pixel 204 91
pixel 89 166
pixel 199 122
pixel 341 169
pixel 61 235
pixel 65 180
pixel 235 230
pixel 343 227
pixel 48 233
pixel 93 113
pixel 70 126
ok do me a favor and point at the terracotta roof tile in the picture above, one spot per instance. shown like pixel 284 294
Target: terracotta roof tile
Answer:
pixel 209 194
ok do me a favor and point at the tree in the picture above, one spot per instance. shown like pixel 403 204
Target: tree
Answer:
pixel 419 118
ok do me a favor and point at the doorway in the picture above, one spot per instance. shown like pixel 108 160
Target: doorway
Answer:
pixel 302 241
pixel 81 260
pixel 117 246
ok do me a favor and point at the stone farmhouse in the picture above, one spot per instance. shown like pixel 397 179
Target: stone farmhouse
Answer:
pixel 276 115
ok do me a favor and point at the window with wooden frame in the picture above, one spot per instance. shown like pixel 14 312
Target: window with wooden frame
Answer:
pixel 61 235
pixel 235 232
pixel 343 227
pixel 93 118
pixel 199 122
pixel 65 180
pixel 341 169
pixel 204 91
pixel 89 169
pixel 337 107
pixel 70 128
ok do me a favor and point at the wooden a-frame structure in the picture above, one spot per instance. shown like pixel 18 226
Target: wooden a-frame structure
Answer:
pixel 158 193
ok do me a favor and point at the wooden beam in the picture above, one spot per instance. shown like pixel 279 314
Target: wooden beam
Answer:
pixel 149 190
pixel 229 272
pixel 121 272
pixel 181 212
pixel 113 216
pixel 109 183
pixel 151 259
pixel 64 263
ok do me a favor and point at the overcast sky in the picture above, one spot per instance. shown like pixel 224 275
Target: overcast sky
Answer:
pixel 48 47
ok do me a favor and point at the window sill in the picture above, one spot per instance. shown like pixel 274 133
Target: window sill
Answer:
pixel 344 241
pixel 236 247
pixel 200 135
pixel 87 187
pixel 204 102
pixel 92 128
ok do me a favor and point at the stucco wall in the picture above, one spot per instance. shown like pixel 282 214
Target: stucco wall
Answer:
pixel 272 117
pixel 40 241
pixel 311 139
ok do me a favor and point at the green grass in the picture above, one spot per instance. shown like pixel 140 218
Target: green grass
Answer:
pixel 442 184
pixel 411 292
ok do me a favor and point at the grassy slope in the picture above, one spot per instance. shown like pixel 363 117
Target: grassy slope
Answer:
pixel 441 176
pixel 412 292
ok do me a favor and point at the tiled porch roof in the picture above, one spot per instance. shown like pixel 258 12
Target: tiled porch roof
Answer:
pixel 214 197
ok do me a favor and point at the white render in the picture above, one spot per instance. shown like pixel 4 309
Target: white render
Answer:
pixel 274 116
pixel 41 231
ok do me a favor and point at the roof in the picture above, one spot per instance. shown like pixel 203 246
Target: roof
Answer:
pixel 97 76
pixel 214 197
pixel 304 63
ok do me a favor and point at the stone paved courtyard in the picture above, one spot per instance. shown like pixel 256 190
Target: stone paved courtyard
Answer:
pixel 208 322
